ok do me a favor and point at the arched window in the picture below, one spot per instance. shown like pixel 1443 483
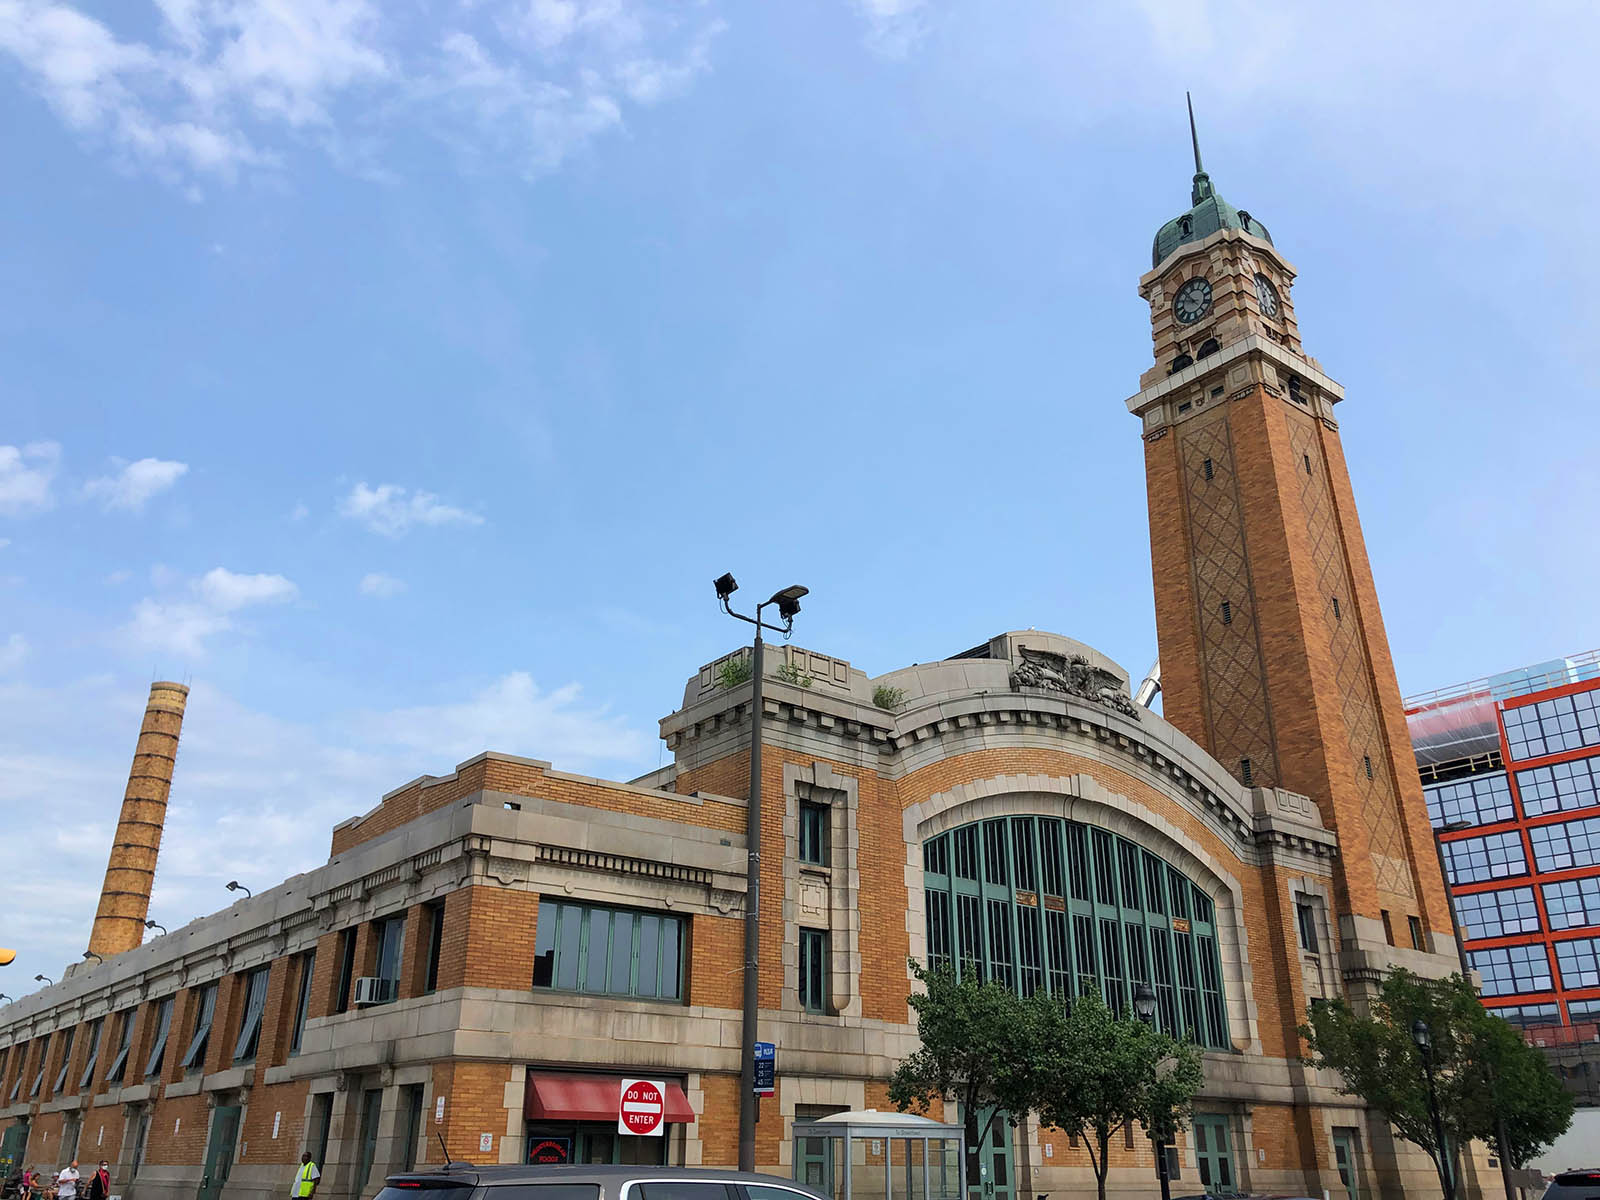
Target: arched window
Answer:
pixel 1208 347
pixel 1038 902
pixel 1179 363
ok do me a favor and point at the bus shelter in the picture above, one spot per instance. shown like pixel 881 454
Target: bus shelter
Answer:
pixel 872 1155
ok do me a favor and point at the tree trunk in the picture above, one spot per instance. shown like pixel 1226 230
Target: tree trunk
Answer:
pixel 1103 1167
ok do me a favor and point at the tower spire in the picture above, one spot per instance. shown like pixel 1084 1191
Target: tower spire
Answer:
pixel 1202 182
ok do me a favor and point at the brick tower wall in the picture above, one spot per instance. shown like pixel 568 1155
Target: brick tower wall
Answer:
pixel 131 870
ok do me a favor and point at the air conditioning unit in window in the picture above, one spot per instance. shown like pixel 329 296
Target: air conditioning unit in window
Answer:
pixel 373 989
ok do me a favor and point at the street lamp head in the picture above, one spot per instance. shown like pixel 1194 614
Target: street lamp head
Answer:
pixel 1421 1034
pixel 788 600
pixel 149 924
pixel 726 586
pixel 1144 1001
pixel 235 886
pixel 88 954
pixel 42 979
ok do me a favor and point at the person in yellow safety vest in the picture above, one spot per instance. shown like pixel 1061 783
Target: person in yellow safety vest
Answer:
pixel 306 1178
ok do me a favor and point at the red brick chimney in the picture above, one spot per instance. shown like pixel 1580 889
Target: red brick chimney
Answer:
pixel 125 897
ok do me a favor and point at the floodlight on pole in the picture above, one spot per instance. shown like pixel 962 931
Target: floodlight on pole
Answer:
pixel 787 602
pixel 234 885
pixel 88 954
pixel 44 979
pixel 149 924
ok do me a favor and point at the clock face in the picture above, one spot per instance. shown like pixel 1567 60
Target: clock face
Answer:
pixel 1193 301
pixel 1266 296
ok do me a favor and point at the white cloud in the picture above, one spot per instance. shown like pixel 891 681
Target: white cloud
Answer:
pixel 4 542
pixel 255 796
pixel 26 473
pixel 12 652
pixel 183 625
pixel 226 591
pixel 133 486
pixel 894 27
pixel 225 85
pixel 299 513
pixel 121 576
pixel 376 583
pixel 392 510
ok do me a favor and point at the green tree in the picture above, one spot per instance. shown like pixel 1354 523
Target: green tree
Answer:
pixel 1512 1081
pixel 977 1046
pixel 1098 1073
pixel 1482 1068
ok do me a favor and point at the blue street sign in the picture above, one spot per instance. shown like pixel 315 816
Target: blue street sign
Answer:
pixel 766 1068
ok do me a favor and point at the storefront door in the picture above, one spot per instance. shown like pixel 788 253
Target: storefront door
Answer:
pixel 219 1151
pixel 1344 1158
pixel 592 1142
pixel 12 1148
pixel 1213 1156
pixel 996 1181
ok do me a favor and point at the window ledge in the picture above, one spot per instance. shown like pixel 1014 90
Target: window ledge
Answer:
pixel 575 994
pixel 817 869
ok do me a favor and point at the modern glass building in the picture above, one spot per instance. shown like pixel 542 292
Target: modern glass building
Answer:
pixel 1510 766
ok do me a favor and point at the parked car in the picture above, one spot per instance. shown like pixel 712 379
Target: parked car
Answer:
pixel 1575 1185
pixel 463 1181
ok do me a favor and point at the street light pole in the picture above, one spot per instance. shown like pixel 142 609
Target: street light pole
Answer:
pixel 788 604
pixel 1423 1037
pixel 1144 1004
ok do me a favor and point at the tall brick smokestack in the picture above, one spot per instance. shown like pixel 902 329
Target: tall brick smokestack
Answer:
pixel 125 897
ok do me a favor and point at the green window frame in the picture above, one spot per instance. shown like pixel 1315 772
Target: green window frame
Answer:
pixel 813 977
pixel 119 1064
pixel 255 1003
pixel 194 1058
pixel 158 1044
pixel 1039 902
pixel 814 833
pixel 609 952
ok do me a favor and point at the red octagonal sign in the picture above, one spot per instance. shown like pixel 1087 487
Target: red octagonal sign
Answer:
pixel 642 1108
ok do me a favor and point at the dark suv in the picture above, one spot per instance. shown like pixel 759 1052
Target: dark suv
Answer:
pixel 463 1181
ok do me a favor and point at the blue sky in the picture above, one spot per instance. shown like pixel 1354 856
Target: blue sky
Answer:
pixel 401 374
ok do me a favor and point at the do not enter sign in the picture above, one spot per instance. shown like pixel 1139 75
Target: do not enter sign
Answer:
pixel 642 1108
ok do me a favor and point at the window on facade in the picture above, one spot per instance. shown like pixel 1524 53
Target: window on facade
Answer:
pixel 430 981
pixel 158 1044
pixel 1579 961
pixel 66 1061
pixel 1106 916
pixel 302 1004
pixel 1366 764
pixel 1388 926
pixel 1573 904
pixel 1307 458
pixel 1529 1016
pixel 1227 613
pixel 1507 970
pixel 615 952
pixel 1559 787
pixel 1494 856
pixel 1415 925
pixel 1551 726
pixel 391 936
pixel 1581 1011
pixel 44 1057
pixel 1478 800
pixel 1208 469
pixel 1246 772
pixel 813 833
pixel 93 1056
pixel 1305 917
pixel 814 970
pixel 347 970
pixel 1498 913
pixel 255 1003
pixel 20 1054
pixel 1570 844
pixel 119 1064
pixel 194 1058
pixel 1337 616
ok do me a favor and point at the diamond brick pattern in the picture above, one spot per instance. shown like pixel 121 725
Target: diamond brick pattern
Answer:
pixel 1380 802
pixel 1234 684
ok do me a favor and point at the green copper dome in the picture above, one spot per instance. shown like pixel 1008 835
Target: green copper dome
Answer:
pixel 1210 212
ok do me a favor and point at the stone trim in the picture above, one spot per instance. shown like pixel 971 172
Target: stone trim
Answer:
pixel 840 882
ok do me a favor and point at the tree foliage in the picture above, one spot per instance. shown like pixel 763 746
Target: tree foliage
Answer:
pixel 1077 1065
pixel 1481 1065
pixel 977 1046
pixel 1099 1073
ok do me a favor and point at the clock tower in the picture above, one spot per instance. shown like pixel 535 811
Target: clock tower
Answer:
pixel 1273 651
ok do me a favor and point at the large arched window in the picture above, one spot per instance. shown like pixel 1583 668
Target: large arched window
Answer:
pixel 1038 902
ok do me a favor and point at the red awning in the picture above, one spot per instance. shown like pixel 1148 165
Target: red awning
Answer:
pixel 591 1098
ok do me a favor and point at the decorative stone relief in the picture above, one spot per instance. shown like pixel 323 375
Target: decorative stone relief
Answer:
pixel 1074 675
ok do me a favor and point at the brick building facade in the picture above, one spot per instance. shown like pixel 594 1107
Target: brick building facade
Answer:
pixel 486 954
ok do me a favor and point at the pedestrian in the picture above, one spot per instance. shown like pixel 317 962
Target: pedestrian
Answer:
pixel 305 1179
pixel 67 1182
pixel 100 1183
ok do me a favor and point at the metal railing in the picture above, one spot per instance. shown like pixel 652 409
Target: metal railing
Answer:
pixel 1534 678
